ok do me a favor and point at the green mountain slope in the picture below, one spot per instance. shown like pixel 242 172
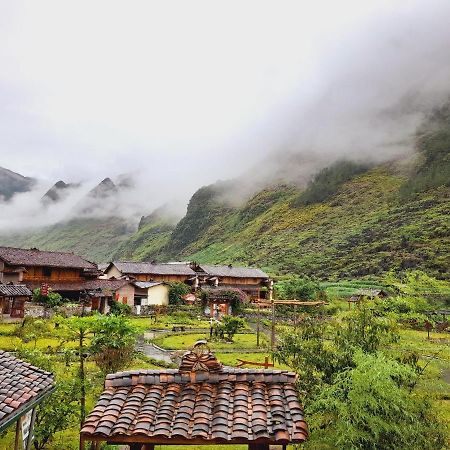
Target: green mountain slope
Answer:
pixel 147 243
pixel 94 239
pixel 351 221
pixel 363 229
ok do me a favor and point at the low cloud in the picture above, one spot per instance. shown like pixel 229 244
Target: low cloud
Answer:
pixel 291 90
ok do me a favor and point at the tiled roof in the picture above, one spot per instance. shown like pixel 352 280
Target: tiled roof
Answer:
pixel 200 401
pixel 34 257
pixel 127 267
pixel 232 271
pixel 372 292
pixel 90 285
pixel 15 290
pixel 146 284
pixel 20 383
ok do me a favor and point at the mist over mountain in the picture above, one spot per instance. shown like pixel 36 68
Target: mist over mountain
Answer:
pixel 276 123
pixel 12 183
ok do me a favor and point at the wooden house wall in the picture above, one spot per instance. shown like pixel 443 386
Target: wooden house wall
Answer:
pixel 235 280
pixel 116 273
pixel 57 274
pixel 166 278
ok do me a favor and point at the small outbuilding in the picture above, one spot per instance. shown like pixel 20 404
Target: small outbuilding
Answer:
pixel 12 300
pixel 201 403
pixel 150 293
pixel 367 293
pixel 22 388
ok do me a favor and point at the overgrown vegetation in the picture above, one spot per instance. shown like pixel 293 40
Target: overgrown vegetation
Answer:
pixel 296 287
pixel 327 182
pixel 358 394
pixel 433 145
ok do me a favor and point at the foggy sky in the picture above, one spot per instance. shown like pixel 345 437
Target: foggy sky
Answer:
pixel 184 93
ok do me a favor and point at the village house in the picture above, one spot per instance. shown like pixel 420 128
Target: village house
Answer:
pixel 63 272
pixel 99 293
pixel 253 282
pixel 149 271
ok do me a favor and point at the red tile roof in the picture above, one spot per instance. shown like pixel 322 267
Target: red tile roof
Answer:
pixel 200 401
pixel 35 257
pixel 20 384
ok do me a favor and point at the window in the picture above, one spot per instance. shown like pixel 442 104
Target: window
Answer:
pixel 47 271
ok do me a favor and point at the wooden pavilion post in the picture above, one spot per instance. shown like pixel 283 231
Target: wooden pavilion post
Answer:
pixel 16 440
pixel 30 432
pixel 272 337
pixel 258 446
pixel 258 324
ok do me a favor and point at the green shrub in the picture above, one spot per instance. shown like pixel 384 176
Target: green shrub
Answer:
pixel 327 182
pixel 176 292
pixel 120 309
pixel 295 287
pixel 229 326
pixel 370 407
pixel 51 300
pixel 113 342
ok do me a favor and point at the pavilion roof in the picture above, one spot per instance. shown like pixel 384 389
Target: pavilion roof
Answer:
pixel 200 403
pixel 21 386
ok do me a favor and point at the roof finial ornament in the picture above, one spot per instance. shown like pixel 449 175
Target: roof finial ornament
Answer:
pixel 200 359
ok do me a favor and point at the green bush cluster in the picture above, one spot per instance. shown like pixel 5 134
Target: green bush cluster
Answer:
pixel 327 182
pixel 176 292
pixel 356 394
pixel 297 287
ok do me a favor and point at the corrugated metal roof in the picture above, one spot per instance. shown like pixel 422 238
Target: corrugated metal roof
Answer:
pixel 15 290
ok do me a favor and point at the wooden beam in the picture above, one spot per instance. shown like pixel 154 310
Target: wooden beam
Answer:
pixel 243 362
pixel 159 440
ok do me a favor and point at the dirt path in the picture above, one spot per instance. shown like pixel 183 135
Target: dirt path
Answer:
pixel 152 350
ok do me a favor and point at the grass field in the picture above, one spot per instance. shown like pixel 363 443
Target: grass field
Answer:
pixel 186 341
pixel 166 321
